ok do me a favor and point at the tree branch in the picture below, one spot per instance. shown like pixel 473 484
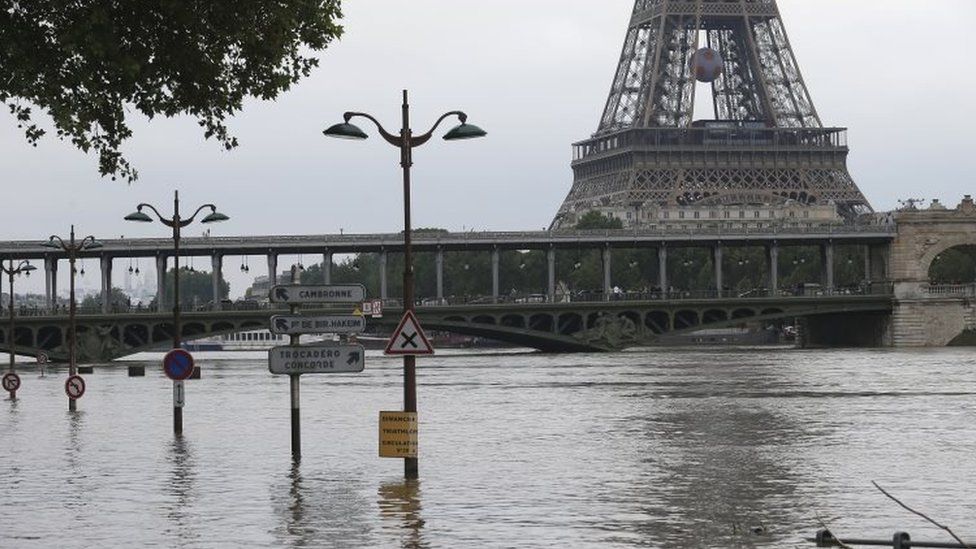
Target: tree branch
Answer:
pixel 923 515
pixel 828 529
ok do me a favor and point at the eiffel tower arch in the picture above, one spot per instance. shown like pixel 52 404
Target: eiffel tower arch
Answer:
pixel 766 147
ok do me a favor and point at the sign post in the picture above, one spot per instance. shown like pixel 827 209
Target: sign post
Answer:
pixel 11 382
pixel 398 435
pixel 74 387
pixel 294 359
pixel 178 366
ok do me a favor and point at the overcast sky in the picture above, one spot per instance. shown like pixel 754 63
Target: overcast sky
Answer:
pixel 535 75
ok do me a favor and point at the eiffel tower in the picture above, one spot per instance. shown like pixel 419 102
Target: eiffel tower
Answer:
pixel 765 147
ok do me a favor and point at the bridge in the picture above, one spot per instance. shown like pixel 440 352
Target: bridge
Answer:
pixel 895 304
pixel 592 326
pixel 875 237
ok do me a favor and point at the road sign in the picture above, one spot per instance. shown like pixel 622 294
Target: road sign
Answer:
pixel 409 338
pixel 42 358
pixel 74 387
pixel 178 364
pixel 329 324
pixel 334 293
pixel 323 358
pixel 11 382
pixel 373 308
pixel 179 394
pixel 398 435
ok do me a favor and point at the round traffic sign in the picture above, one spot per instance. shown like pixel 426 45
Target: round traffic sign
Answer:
pixel 11 382
pixel 42 358
pixel 74 387
pixel 178 364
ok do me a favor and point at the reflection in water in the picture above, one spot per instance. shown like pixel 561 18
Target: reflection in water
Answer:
pixel 400 502
pixel 77 472
pixel 320 512
pixel 180 489
pixel 721 467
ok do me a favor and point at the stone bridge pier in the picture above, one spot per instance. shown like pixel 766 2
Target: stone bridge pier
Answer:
pixel 925 314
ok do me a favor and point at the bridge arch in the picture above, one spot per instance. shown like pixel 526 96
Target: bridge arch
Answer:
pixel 658 322
pixel 513 321
pixel 954 265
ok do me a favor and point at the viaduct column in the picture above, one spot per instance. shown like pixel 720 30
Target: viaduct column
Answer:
pixel 495 259
pixel 607 272
pixel 772 258
pixel 51 281
pixel 867 262
pixel 551 286
pixel 439 266
pixel 160 282
pixel 383 259
pixel 662 270
pixel 272 269
pixel 327 267
pixel 717 264
pixel 827 261
pixel 106 262
pixel 216 260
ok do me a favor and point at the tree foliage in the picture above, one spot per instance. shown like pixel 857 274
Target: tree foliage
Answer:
pixel 85 63
pixel 196 288
pixel 954 266
pixel 596 220
pixel 117 300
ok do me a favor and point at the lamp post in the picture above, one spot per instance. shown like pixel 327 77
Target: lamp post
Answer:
pixel 406 142
pixel 72 247
pixel 176 223
pixel 25 268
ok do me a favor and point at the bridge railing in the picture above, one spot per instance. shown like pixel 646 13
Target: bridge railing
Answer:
pixel 578 296
pixel 950 290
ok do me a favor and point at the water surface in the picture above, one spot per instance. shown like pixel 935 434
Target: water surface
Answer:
pixel 654 448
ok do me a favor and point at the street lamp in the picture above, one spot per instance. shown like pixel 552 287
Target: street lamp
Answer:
pixel 25 268
pixel 176 223
pixel 406 142
pixel 72 247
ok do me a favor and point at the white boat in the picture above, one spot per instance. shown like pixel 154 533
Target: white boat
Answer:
pixel 250 340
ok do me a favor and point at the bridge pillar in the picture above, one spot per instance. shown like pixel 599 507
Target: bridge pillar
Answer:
pixel 607 272
pixel 878 254
pixel 717 263
pixel 216 261
pixel 383 259
pixel 551 286
pixel 51 281
pixel 106 262
pixel 827 262
pixel 495 259
pixel 662 270
pixel 439 266
pixel 772 259
pixel 327 267
pixel 161 282
pixel 272 269
pixel 867 263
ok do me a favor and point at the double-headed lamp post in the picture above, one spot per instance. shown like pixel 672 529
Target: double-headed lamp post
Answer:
pixel 406 142
pixel 25 268
pixel 72 247
pixel 176 223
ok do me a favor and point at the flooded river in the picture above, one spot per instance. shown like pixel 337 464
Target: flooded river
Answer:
pixel 656 448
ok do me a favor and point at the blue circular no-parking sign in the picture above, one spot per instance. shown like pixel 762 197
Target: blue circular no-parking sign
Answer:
pixel 178 364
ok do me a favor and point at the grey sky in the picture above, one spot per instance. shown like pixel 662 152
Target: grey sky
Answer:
pixel 535 75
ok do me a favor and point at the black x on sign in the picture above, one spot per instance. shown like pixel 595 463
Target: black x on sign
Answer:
pixel 409 338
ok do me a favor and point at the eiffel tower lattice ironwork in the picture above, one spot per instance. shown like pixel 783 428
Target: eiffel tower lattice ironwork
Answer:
pixel 766 145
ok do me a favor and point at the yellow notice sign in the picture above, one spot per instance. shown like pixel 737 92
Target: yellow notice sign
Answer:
pixel 398 434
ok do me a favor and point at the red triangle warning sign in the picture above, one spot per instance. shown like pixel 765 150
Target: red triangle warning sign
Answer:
pixel 409 338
